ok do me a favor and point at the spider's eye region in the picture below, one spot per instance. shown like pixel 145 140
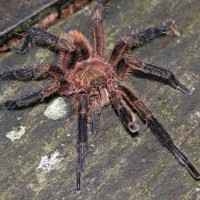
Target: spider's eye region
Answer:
pixel 95 83
pixel 114 85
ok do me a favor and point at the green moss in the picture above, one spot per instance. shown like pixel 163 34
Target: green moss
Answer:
pixel 166 110
pixel 192 23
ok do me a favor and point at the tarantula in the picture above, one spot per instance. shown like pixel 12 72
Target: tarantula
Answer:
pixel 93 81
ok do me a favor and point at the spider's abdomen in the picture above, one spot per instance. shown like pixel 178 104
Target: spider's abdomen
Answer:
pixel 91 73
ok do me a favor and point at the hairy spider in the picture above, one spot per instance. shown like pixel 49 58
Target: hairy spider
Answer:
pixel 93 81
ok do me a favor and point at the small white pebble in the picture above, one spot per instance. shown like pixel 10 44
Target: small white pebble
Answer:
pixel 192 90
pixel 48 163
pixel 16 133
pixel 123 160
pixel 197 114
pixel 57 109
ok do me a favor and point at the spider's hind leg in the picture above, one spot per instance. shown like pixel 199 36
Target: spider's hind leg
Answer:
pixel 82 138
pixel 157 129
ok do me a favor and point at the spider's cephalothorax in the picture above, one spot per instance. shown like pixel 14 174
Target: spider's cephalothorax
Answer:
pixel 93 80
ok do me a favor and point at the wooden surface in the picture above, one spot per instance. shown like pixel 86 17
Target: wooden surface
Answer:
pixel 16 16
pixel 118 166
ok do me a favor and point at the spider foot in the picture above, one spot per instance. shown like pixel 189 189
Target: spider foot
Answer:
pixel 183 89
pixel 185 162
pixel 171 28
pixel 79 170
pixel 2 107
pixel 193 171
pixel 165 139
pixel 133 127
pixel 18 50
pixel 23 48
pixel 25 45
pixel 176 84
pixel 78 182
pixel 9 105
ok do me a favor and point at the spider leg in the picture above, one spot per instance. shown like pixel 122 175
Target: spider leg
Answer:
pixel 135 103
pixel 94 114
pixel 45 37
pixel 19 74
pixel 98 99
pixel 27 74
pixel 128 119
pixel 82 138
pixel 97 27
pixel 34 97
pixel 167 75
pixel 80 49
pixel 138 39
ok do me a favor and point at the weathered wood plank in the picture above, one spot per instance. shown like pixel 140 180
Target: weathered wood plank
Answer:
pixel 118 166
pixel 16 17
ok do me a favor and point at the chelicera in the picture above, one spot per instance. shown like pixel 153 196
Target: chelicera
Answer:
pixel 93 80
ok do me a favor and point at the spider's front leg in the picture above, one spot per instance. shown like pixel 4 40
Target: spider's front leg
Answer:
pixel 130 62
pixel 31 98
pixel 44 36
pixel 138 39
pixel 135 103
pixel 82 137
pixel 128 119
